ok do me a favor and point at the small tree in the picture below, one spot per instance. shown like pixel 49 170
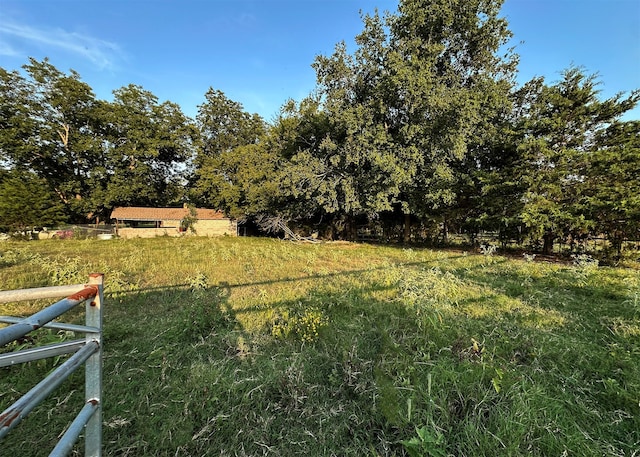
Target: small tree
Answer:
pixel 26 201
pixel 188 222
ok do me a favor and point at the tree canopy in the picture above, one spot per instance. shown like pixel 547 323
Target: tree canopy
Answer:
pixel 419 131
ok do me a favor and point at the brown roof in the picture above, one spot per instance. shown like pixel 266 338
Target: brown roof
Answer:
pixel 136 213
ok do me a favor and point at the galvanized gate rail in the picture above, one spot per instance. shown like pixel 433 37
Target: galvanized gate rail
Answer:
pixel 87 351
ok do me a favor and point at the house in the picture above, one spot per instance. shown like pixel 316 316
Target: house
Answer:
pixel 139 222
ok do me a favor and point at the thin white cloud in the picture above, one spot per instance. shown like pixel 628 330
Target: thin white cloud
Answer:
pixel 100 52
pixel 7 50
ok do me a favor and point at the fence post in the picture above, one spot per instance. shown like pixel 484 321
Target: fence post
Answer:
pixel 93 370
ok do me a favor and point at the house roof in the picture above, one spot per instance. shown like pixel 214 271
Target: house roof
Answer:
pixel 137 213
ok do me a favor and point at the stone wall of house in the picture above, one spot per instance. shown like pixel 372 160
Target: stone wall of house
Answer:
pixel 217 227
pixel 130 232
pixel 203 228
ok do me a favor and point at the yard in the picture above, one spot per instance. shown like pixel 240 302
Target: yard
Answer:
pixel 245 346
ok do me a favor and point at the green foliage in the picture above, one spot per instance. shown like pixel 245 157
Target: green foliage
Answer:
pixel 94 154
pixel 188 222
pixel 26 201
pixel 559 127
pixel 148 141
pixel 224 125
pixel 445 67
pixel 425 444
pixel 612 192
pixel 411 66
pixel 234 167
pixel 11 257
pixel 63 271
pixel 241 182
pixel 55 116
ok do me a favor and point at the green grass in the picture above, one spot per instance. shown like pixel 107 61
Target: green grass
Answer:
pixel 238 346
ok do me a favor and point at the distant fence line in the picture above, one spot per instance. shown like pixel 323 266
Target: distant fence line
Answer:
pixel 380 234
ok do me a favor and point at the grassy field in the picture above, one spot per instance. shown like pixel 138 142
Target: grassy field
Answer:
pixel 239 346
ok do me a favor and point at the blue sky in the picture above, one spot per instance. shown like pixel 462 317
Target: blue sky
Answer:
pixel 259 53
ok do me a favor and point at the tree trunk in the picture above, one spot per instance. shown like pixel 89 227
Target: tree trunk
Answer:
pixel 547 247
pixel 353 229
pixel 445 231
pixel 407 228
pixel 329 232
pixel 616 243
pixel 350 230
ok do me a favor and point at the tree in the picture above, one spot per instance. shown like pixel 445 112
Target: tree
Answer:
pixel 51 129
pixel 241 182
pixel 229 156
pixel 409 101
pixel 224 125
pixel 488 193
pixel 359 168
pixel 558 127
pixel 147 149
pixel 612 188
pixel 446 76
pixel 17 126
pixel 262 180
pixel 26 201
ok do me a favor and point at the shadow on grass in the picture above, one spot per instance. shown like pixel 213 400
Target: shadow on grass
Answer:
pixel 190 380
pixel 185 378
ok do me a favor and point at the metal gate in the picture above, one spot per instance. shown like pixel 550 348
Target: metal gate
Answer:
pixel 87 351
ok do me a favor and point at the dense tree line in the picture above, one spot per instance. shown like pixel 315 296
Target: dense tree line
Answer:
pixel 419 132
